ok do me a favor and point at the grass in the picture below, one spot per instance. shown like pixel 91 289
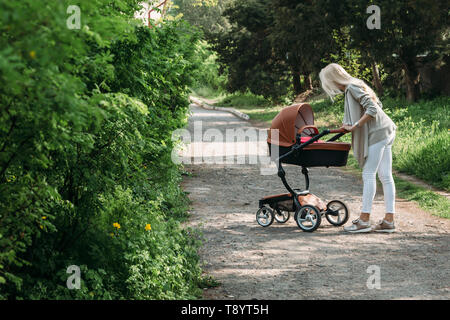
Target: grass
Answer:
pixel 426 199
pixel 421 149
pixel 207 92
pixel 247 101
pixel 257 107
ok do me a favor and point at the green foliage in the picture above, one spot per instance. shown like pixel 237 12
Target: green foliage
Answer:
pixel 300 34
pixel 349 58
pixel 85 141
pixel 437 204
pixel 206 92
pixel 247 54
pixel 208 76
pixel 204 14
pixel 272 44
pixel 244 100
pixel 409 30
pixel 423 145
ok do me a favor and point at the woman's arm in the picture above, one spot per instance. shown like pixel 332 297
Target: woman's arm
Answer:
pixel 366 117
pixel 366 102
pixel 370 106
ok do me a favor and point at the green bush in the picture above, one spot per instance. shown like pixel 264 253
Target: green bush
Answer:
pixel 423 142
pixel 208 79
pixel 244 100
pixel 85 144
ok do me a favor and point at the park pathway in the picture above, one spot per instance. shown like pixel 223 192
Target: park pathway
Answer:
pixel 281 261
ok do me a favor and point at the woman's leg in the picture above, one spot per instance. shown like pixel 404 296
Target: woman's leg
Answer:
pixel 379 159
pixel 385 176
pixel 374 158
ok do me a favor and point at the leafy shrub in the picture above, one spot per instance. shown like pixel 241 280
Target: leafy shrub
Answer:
pixel 209 75
pixel 244 100
pixel 85 142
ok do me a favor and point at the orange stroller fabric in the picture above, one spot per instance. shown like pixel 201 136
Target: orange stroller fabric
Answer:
pixel 288 121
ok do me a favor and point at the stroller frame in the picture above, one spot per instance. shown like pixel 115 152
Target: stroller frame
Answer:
pixel 270 206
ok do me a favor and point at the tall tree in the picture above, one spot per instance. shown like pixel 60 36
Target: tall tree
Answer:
pixel 302 36
pixel 204 14
pixel 410 30
pixel 247 52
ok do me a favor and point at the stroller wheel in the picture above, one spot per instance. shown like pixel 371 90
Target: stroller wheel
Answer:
pixel 308 218
pixel 281 216
pixel 264 216
pixel 337 213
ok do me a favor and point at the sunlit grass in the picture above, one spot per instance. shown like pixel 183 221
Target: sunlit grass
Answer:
pixel 426 199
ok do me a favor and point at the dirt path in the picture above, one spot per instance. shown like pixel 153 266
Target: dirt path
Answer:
pixel 282 262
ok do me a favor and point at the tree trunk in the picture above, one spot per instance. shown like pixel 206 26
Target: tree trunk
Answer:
pixel 308 82
pixel 297 84
pixel 376 78
pixel 412 78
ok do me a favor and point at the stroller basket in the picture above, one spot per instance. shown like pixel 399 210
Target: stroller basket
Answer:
pixel 320 154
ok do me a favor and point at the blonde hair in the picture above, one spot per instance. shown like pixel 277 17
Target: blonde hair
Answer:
pixel 333 75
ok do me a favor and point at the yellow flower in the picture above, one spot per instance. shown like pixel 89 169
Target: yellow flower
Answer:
pixel 116 225
pixel 33 54
pixel 148 227
pixel 44 217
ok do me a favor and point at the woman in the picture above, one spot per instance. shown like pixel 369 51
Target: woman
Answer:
pixel 373 134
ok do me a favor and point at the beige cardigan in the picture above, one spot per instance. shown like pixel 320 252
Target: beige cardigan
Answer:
pixel 358 102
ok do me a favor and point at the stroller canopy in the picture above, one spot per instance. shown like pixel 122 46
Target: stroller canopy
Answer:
pixel 288 121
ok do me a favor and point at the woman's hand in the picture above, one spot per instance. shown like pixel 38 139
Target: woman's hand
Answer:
pixel 348 128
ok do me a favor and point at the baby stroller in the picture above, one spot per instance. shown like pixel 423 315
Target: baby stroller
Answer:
pixel 296 139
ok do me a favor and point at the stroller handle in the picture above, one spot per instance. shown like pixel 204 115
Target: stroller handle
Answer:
pixel 340 130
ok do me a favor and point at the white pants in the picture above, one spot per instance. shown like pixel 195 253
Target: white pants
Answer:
pixel 379 159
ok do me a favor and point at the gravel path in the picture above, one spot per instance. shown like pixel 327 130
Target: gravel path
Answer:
pixel 281 261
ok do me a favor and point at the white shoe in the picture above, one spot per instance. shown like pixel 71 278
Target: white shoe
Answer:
pixel 358 226
pixel 384 226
